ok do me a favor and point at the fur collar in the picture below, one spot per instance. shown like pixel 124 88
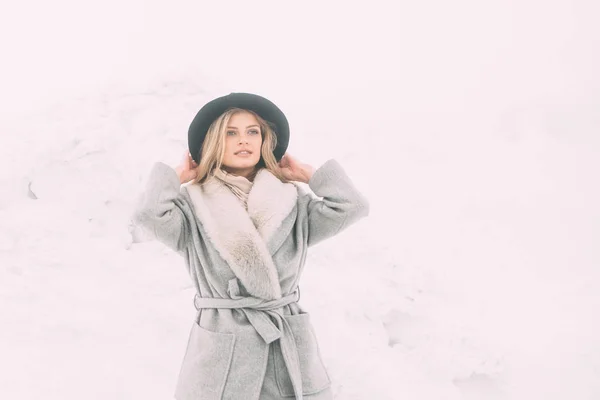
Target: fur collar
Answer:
pixel 242 237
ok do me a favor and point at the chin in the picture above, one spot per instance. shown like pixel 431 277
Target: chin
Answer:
pixel 244 164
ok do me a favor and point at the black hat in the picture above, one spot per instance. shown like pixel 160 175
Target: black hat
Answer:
pixel 261 106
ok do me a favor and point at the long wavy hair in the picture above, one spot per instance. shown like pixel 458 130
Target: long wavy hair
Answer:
pixel 212 151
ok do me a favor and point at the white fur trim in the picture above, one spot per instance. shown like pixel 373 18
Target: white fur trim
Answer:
pixel 241 236
pixel 270 203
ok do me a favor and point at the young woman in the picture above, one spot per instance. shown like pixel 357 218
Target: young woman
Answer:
pixel 234 211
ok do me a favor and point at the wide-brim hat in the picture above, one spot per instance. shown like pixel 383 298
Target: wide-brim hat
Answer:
pixel 266 109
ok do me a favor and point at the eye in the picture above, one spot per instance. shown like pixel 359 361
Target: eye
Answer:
pixel 253 132
pixel 230 133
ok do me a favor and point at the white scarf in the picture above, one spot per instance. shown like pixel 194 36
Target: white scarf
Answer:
pixel 239 185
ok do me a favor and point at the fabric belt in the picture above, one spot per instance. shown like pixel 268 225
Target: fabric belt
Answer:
pixel 258 311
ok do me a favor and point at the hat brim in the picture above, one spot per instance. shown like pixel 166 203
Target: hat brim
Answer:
pixel 258 104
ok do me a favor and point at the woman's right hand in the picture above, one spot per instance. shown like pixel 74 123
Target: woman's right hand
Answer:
pixel 186 170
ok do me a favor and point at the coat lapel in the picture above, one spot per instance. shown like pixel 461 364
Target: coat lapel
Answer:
pixel 242 237
pixel 270 201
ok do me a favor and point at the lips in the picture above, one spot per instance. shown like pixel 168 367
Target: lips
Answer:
pixel 243 152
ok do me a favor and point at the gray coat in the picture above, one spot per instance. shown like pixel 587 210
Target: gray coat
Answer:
pixel 246 266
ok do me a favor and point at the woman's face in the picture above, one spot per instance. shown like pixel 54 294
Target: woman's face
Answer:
pixel 243 142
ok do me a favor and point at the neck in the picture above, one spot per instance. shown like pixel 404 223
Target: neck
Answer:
pixel 248 173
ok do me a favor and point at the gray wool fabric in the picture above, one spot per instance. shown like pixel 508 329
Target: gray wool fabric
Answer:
pixel 247 352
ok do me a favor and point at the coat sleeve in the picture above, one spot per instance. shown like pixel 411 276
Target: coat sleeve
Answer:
pixel 161 210
pixel 341 204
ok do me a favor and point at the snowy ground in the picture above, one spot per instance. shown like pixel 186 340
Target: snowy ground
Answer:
pixel 475 276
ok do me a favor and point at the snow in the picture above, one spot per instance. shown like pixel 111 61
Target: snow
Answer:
pixel 471 127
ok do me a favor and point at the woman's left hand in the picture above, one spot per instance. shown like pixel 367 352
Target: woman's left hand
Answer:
pixel 294 170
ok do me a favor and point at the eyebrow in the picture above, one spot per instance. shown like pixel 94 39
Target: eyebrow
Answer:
pixel 249 126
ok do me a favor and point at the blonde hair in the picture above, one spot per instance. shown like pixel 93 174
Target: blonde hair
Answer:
pixel 212 151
